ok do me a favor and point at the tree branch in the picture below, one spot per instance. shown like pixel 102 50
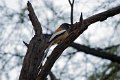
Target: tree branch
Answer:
pixel 26 44
pixel 72 9
pixel 77 29
pixel 35 22
pixel 35 49
pixel 52 76
pixel 95 52
pixel 102 16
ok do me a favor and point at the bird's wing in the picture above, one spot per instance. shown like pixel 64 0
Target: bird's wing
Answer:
pixel 57 34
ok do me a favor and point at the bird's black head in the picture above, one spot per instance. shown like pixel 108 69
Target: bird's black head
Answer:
pixel 65 26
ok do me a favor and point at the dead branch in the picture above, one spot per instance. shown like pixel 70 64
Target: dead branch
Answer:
pixel 96 52
pixel 37 45
pixel 35 50
pixel 72 9
pixel 52 76
pixel 77 29
pixel 35 22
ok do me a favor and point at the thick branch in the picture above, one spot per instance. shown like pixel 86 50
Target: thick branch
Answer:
pixel 35 50
pixel 95 52
pixel 78 28
pixel 102 16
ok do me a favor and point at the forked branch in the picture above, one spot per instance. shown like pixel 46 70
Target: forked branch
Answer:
pixel 72 9
pixel 77 29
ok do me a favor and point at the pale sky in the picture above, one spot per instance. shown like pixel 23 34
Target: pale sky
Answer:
pixel 96 34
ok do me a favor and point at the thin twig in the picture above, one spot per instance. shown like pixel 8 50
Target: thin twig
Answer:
pixel 52 76
pixel 72 9
pixel 80 19
pixel 26 44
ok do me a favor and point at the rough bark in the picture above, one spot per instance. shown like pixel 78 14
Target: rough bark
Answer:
pixel 37 45
pixel 35 49
pixel 96 52
pixel 77 29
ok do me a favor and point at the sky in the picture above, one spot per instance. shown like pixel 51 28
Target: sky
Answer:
pixel 84 6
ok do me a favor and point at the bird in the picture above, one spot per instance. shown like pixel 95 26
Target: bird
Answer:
pixel 58 35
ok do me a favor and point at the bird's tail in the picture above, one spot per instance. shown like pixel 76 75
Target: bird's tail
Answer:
pixel 47 49
pixel 45 54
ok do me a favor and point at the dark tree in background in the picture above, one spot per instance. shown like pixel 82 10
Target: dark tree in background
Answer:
pixel 94 55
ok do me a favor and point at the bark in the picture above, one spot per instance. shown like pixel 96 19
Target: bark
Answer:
pixel 37 45
pixel 35 49
pixel 77 29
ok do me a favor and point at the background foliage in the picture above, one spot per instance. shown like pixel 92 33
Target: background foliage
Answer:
pixel 15 27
